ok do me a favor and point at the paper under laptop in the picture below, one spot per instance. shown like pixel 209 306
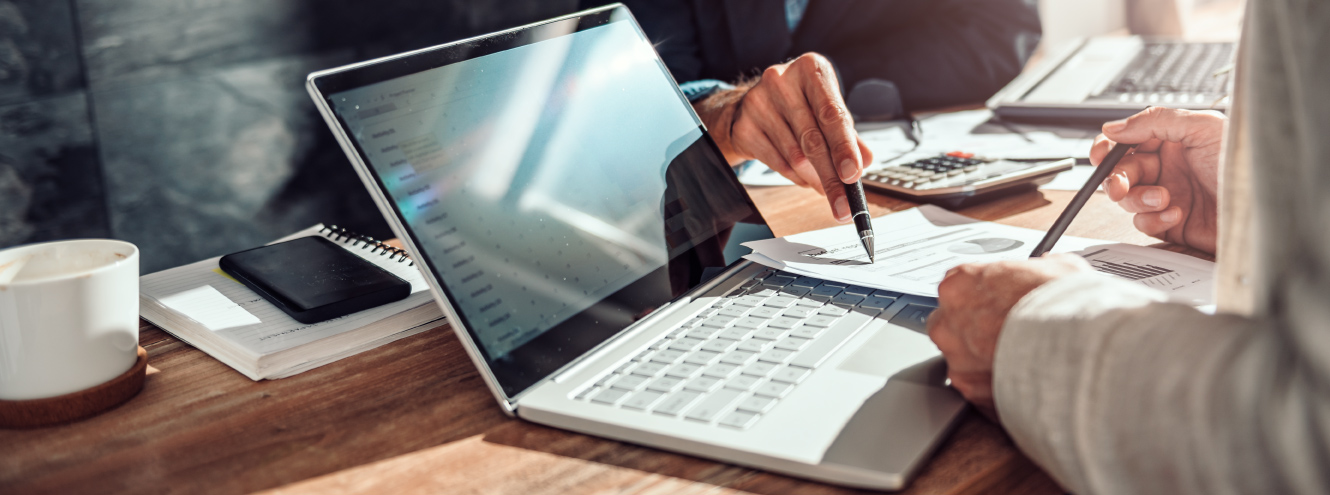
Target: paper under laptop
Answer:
pixel 916 248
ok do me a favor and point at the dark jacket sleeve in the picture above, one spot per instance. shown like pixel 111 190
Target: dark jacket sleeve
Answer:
pixel 939 52
pixel 671 27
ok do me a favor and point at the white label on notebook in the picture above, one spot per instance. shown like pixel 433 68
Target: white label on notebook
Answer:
pixel 210 308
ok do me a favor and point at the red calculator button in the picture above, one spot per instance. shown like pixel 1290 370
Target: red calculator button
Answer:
pixel 960 154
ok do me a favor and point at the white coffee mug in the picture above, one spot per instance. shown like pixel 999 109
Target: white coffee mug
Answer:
pixel 69 316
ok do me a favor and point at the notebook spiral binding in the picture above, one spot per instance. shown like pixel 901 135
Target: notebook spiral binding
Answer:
pixel 340 234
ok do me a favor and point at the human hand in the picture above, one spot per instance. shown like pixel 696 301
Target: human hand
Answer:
pixel 794 120
pixel 973 303
pixel 1171 181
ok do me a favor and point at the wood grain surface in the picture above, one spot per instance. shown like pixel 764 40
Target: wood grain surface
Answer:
pixel 414 417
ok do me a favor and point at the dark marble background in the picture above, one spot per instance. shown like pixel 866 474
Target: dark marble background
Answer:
pixel 183 126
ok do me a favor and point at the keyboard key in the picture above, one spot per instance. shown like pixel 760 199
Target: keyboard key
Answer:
pixel 733 312
pixel 701 333
pixel 719 321
pixel 820 321
pixel 759 369
pixel 707 312
pixel 676 402
pixel 778 280
pixel 846 299
pixel 659 344
pixel 834 283
pixel 750 322
pixel 686 344
pixel 754 345
pixel 702 358
pixel 677 332
pixel 780 302
pixel 625 367
pixel 737 332
pixel 914 317
pixel 710 407
pixel 784 322
pixel 739 419
pixel 757 404
pixel 721 371
pixel 769 333
pixel 764 312
pixel 809 302
pixel 750 301
pixel 806 332
pixel 643 400
pixel 763 291
pixel 649 369
pixel 739 358
pixel 776 356
pixel 790 374
pixel 830 340
pixel 826 290
pixel 684 370
pixel 886 293
pixel 644 355
pixel 667 356
pixel 793 291
pixel 605 380
pixel 791 343
pixel 773 389
pixel 629 382
pixel 807 282
pixel 584 393
pixel 719 345
pixel 703 384
pixel 874 302
pixel 742 382
pixel 858 290
pixel 833 311
pixel 665 384
pixel 609 396
pixel 799 312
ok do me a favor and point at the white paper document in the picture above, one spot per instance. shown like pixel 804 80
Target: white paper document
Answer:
pixel 915 249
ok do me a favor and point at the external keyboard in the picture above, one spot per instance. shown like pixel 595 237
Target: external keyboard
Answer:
pixel 733 362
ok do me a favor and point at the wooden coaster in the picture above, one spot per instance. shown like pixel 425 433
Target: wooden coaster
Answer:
pixel 77 405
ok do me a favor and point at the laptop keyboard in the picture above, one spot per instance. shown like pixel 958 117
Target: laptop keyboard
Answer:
pixel 734 361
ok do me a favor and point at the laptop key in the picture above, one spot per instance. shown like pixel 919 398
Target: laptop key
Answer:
pixel 759 369
pixel 773 389
pixel 734 312
pixel 794 291
pixel 703 384
pixel 721 370
pixel 686 344
pixel 887 293
pixel 719 345
pixel 609 396
pixel 846 299
pixel 756 404
pixel 739 358
pixel 780 302
pixel 790 374
pixel 806 332
pixel 676 402
pixel 769 333
pixel 875 302
pixel 702 358
pixel 750 301
pixel 710 407
pixel 826 290
pixel 833 311
pixel 764 312
pixel 643 400
pixel 750 322
pixel 737 332
pixel 719 321
pixel 858 290
pixel 763 291
pixel 776 356
pixel 649 369
pixel 754 345
pixel 739 419
pixel 784 322
pixel 807 282
pixel 701 333
pixel 808 302
pixel 584 393
pixel 629 382
pixel 799 312
pixel 791 343
pixel 684 370
pixel 665 384
pixel 667 356
pixel 742 382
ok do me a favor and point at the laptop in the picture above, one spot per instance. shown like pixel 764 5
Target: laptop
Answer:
pixel 582 233
pixel 1113 77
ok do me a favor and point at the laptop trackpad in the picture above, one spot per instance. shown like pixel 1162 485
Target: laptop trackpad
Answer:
pixel 895 427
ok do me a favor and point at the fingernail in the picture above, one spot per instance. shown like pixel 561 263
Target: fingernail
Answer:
pixel 848 170
pixel 1171 216
pixel 1115 126
pixel 842 209
pixel 1152 198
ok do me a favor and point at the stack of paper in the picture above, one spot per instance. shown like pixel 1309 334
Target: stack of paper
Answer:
pixel 915 249
pixel 202 305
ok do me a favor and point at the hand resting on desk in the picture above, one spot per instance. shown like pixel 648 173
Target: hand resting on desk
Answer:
pixel 794 120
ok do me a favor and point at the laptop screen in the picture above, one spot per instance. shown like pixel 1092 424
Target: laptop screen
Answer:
pixel 554 179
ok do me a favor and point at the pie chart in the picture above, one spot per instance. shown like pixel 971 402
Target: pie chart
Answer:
pixel 985 246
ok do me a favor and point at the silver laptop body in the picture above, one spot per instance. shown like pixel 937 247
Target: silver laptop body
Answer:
pixel 1112 77
pixel 581 232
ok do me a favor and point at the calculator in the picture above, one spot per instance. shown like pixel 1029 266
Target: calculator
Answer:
pixel 958 179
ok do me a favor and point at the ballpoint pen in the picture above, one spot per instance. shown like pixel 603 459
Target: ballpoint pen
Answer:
pixel 1078 201
pixel 863 222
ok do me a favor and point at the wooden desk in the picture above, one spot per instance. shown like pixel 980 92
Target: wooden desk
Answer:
pixel 413 416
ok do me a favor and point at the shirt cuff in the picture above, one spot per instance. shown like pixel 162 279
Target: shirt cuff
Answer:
pixel 702 88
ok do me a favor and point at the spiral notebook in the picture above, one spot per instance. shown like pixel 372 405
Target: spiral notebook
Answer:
pixel 202 305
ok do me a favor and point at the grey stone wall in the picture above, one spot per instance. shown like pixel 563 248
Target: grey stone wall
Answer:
pixel 183 126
